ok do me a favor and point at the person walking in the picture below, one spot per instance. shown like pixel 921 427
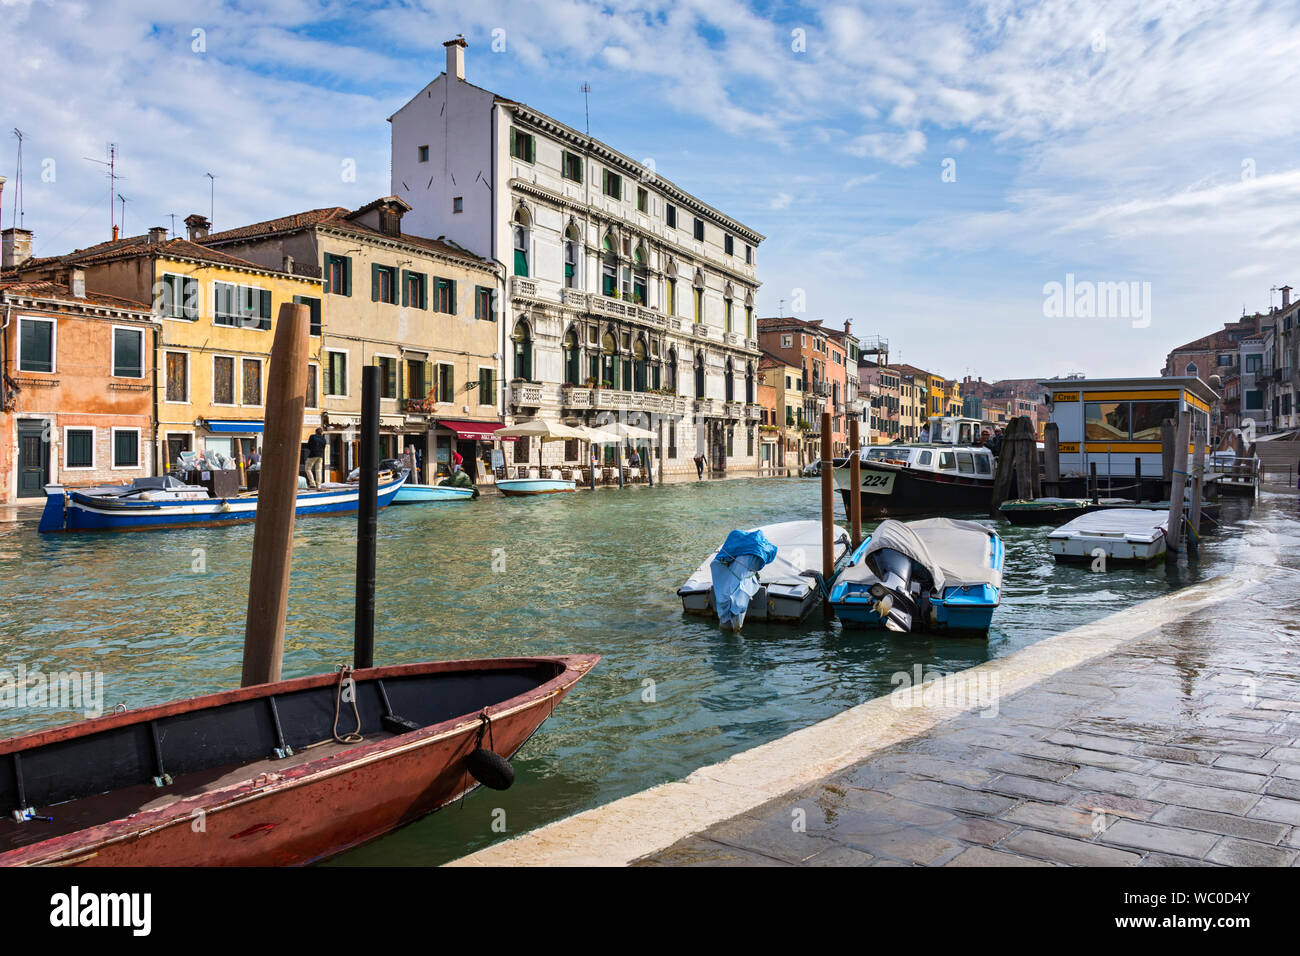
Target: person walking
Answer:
pixel 315 458
pixel 699 466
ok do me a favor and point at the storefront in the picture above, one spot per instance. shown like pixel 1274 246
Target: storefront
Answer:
pixel 472 440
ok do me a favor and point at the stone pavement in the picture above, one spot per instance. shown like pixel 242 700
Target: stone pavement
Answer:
pixel 1180 748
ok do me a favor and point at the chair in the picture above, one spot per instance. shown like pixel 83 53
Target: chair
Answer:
pixel 557 474
pixel 500 472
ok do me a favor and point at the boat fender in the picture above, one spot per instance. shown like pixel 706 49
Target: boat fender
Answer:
pixel 490 769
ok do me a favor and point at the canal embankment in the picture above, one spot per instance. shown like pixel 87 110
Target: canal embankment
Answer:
pixel 1165 733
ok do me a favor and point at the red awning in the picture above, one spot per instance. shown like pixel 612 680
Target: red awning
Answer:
pixel 474 431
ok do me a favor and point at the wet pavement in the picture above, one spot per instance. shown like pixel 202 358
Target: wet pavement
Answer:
pixel 1181 747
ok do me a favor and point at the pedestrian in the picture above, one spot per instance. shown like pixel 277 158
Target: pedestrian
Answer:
pixel 995 443
pixel 634 460
pixel 699 466
pixel 925 434
pixel 315 458
pixel 254 458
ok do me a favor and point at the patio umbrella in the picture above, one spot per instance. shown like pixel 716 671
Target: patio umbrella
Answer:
pixel 542 429
pixel 635 434
pixel 596 436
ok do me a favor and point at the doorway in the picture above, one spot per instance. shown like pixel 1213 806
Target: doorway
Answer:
pixel 33 459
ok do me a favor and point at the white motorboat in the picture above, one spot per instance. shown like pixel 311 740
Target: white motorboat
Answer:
pixel 1121 535
pixel 783 588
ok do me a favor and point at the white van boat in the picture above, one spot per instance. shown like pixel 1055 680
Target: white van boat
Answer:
pixel 784 589
pixel 1122 535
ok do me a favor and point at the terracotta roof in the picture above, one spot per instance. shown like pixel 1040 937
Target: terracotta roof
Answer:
pixel 133 246
pixel 43 289
pixel 336 217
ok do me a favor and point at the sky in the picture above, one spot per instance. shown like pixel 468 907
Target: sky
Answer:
pixel 959 179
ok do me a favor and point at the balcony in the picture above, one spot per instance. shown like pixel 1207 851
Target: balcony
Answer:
pixel 707 406
pixel 574 397
pixel 526 394
pixel 732 338
pixel 523 287
pixel 699 330
pixel 733 411
pixel 753 412
pixel 576 298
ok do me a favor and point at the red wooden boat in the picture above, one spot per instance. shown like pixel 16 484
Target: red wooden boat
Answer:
pixel 259 776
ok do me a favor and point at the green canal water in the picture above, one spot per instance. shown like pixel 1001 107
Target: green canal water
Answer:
pixel 161 616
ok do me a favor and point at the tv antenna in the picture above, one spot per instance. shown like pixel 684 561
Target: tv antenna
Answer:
pixel 586 104
pixel 113 177
pixel 17 219
pixel 122 199
pixel 212 198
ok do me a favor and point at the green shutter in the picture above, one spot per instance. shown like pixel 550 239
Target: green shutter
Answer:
pixel 266 309
pixel 452 284
pixel 424 291
pixel 397 382
pixel 405 278
pixel 347 275
pixel 374 282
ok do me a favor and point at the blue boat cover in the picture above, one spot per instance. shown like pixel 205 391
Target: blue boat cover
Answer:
pixel 734 570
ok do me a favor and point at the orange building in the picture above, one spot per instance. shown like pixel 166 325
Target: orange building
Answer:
pixel 76 395
pixel 820 355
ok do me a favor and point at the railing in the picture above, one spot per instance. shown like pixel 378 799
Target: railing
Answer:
pixel 576 397
pixel 731 338
pixel 699 330
pixel 706 406
pixel 523 286
pixel 574 297
pixel 753 412
pixel 526 394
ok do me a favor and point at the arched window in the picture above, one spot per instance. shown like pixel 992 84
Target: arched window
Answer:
pixel 749 383
pixel 609 268
pixel 671 372
pixel 609 365
pixel 639 274
pixel 729 382
pixel 571 258
pixel 523 339
pixel 521 224
pixel 699 374
pixel 572 359
pixel 639 365
pixel 1192 369
pixel 698 290
pixel 726 308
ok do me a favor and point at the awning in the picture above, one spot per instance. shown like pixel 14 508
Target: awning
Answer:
pixel 234 426
pixel 473 431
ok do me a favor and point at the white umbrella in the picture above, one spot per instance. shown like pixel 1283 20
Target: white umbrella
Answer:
pixel 631 431
pixel 599 436
pixel 543 429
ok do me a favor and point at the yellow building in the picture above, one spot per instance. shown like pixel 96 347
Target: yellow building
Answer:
pixel 423 310
pixel 789 408
pixel 217 314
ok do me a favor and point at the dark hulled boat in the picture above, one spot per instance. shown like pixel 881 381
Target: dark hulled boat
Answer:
pixel 257 776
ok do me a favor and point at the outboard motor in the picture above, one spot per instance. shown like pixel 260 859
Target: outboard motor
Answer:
pixel 895 604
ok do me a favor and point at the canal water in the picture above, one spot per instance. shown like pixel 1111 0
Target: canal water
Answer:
pixel 161 616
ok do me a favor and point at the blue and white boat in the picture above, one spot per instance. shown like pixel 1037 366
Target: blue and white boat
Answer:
pixel 525 487
pixel 149 504
pixel 768 573
pixel 939 574
pixel 410 494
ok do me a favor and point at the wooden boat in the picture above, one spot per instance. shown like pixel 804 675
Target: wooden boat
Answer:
pixel 256 776
pixel 1054 511
pixel 933 575
pixel 526 487
pixel 153 504
pixel 783 589
pixel 1122 535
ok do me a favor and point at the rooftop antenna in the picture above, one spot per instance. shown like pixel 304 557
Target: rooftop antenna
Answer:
pixel 212 197
pixel 17 218
pixel 173 218
pixel 586 104
pixel 780 308
pixel 123 200
pixel 113 177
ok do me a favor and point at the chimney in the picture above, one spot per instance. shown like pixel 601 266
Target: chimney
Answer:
pixel 157 234
pixel 15 247
pixel 77 283
pixel 456 57
pixel 1286 296
pixel 196 226
pixel 116 233
pixel 288 265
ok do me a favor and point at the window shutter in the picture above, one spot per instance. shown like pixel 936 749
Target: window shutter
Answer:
pixel 397 381
pixel 451 283
pixel 424 291
pixel 328 285
pixel 266 309
pixel 374 282
pixel 347 275
pixel 405 287
pixel 327 374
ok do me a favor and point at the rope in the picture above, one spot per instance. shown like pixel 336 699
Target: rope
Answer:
pixel 345 677
pixel 485 726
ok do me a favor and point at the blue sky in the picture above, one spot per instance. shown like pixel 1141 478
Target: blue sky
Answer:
pixel 1116 142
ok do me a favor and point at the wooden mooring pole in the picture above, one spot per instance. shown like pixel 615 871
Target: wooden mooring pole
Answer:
pixel 855 484
pixel 277 498
pixel 1168 433
pixel 1174 526
pixel 1052 459
pixel 1198 490
pixel 828 511
pixel 363 634
pixel 1017 474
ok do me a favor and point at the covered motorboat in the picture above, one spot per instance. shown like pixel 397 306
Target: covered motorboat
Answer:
pixel 748 583
pixel 939 574
pixel 1121 535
